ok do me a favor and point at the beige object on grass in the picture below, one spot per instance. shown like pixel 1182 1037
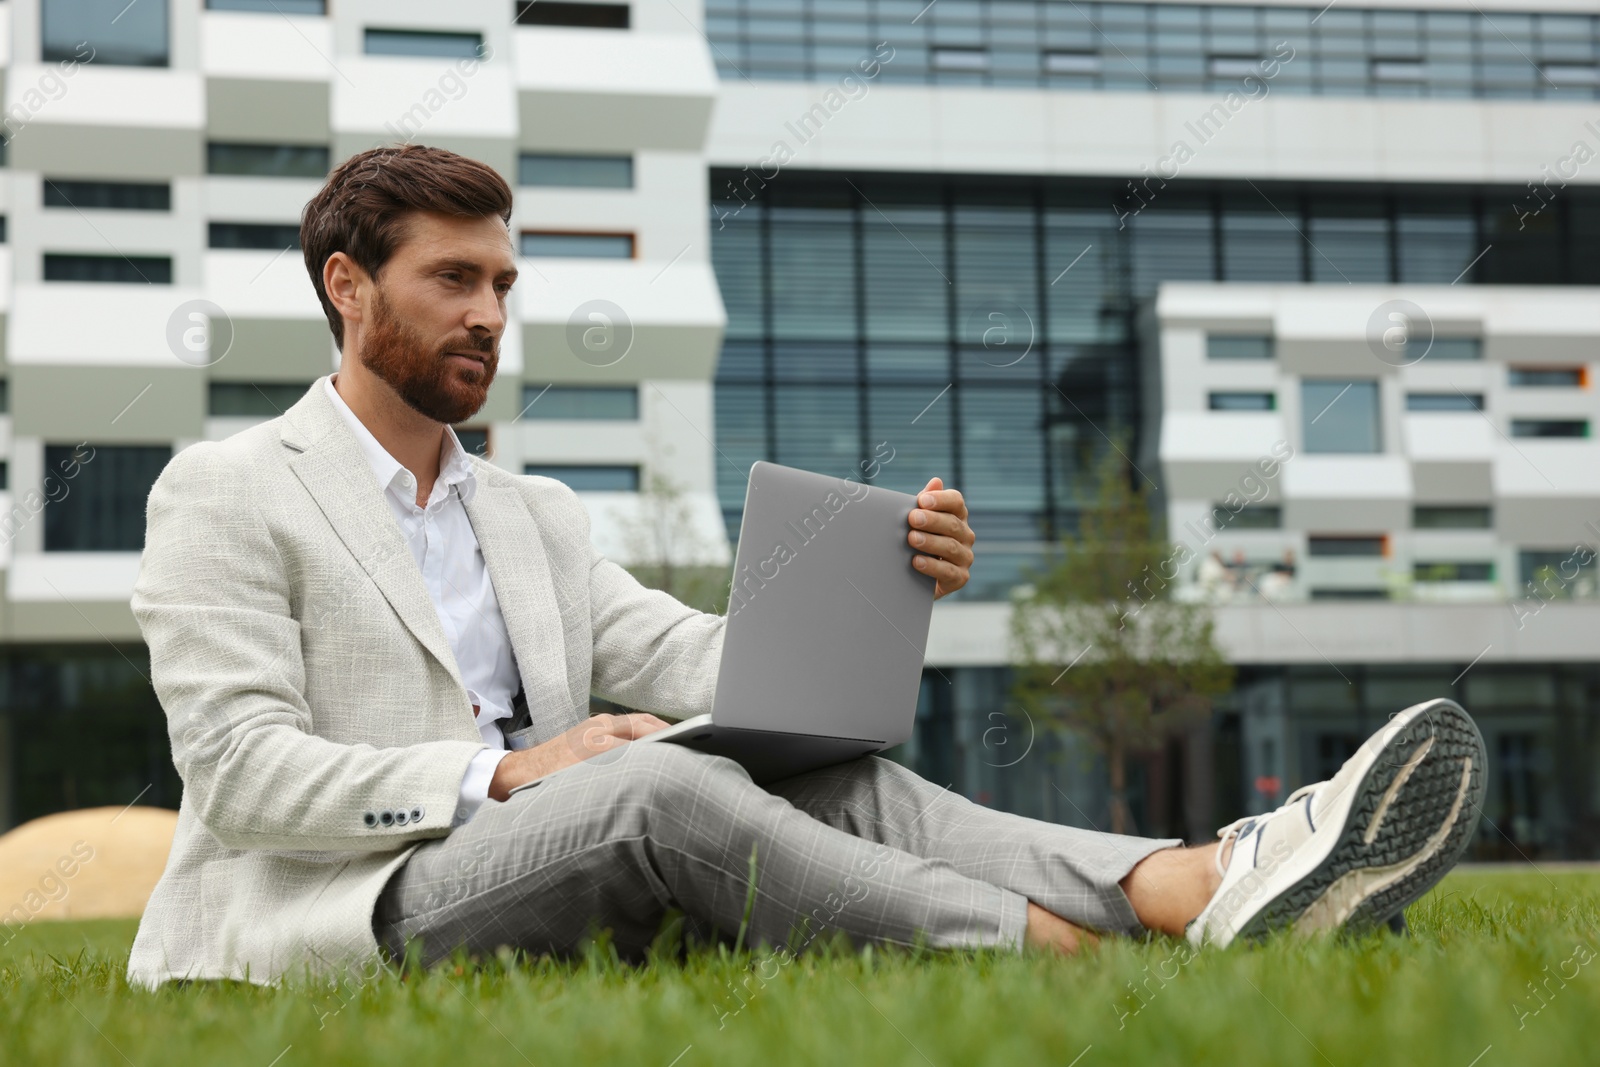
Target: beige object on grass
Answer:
pixel 99 863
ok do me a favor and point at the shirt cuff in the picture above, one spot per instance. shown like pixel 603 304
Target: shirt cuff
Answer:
pixel 475 783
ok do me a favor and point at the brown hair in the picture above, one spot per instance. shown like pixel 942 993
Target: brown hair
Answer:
pixel 362 209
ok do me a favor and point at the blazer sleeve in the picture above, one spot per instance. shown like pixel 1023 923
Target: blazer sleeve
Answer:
pixel 213 600
pixel 651 651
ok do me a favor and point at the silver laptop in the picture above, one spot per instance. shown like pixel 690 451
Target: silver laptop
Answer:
pixel 827 628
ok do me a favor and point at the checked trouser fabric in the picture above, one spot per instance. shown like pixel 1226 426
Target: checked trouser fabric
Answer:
pixel 867 848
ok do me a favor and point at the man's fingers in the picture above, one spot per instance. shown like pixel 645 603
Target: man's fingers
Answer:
pixel 600 738
pixel 946 548
pixel 642 723
pixel 941 522
pixel 949 500
pixel 949 576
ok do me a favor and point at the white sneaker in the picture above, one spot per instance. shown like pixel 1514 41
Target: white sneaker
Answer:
pixel 1355 850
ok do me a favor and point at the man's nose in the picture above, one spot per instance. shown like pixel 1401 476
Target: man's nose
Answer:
pixel 486 312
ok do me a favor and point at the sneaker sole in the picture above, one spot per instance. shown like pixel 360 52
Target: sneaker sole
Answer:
pixel 1411 817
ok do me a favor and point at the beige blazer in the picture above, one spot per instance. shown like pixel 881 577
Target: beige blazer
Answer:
pixel 307 682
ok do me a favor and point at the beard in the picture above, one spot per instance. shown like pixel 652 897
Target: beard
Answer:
pixel 426 378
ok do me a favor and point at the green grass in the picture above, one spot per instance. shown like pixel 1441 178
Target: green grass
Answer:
pixel 1441 996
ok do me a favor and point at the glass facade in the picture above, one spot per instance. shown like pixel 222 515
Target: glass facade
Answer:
pixel 126 270
pixel 586 172
pixel 589 477
pixel 983 329
pixel 104 31
pixel 1341 417
pixel 97 495
pixel 580 402
pixel 259 235
pixel 1329 50
pixel 267 160
pixel 107 196
pixel 431 44
pixel 1538 720
pixel 262 400
pixel 80 727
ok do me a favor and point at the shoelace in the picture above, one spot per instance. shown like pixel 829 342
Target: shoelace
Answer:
pixel 1240 827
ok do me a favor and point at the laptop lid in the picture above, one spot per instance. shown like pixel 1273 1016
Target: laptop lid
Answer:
pixel 827 618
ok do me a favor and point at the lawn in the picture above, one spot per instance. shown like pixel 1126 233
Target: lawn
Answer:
pixel 1456 992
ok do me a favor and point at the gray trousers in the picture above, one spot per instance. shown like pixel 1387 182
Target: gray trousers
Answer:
pixel 865 847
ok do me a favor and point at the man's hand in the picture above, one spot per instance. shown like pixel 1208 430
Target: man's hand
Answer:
pixel 596 735
pixel 943 540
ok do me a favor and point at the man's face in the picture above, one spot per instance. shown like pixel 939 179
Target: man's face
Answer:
pixel 432 331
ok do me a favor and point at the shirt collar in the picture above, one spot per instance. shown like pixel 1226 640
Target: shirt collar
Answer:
pixel 455 469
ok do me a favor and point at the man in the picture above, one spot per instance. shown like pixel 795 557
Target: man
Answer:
pixel 344 609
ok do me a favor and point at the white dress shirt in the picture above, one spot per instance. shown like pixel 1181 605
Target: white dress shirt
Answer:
pixel 442 542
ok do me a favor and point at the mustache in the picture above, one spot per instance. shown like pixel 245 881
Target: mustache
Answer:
pixel 486 345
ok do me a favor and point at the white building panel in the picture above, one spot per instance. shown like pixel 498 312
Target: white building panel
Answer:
pixel 115 96
pixel 267 45
pixel 248 283
pixel 91 324
pixel 72 576
pixel 401 96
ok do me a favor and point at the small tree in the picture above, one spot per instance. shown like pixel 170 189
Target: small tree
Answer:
pixel 667 551
pixel 1102 646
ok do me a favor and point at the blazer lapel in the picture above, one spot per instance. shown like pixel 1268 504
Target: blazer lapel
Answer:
pixel 519 569
pixel 333 470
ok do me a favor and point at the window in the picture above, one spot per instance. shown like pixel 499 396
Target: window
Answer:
pixel 1234 66
pixel 965 59
pixel 1453 571
pixel 1584 75
pixel 580 402
pixel 1558 573
pixel 1452 517
pixel 1454 348
pixel 433 44
pixel 591 172
pixel 258 399
pixel 1244 401
pixel 113 32
pixel 1254 517
pixel 5 397
pixel 103 507
pixel 1523 771
pixel 577 245
pixel 590 478
pixel 1229 346
pixel 1444 401
pixel 271 7
pixel 265 235
pixel 109 196
pixel 267 160
pixel 1341 546
pixel 1451 51
pixel 1072 62
pixel 1552 377
pixel 1398 70
pixel 591 16
pixel 474 439
pixel 1340 417
pixel 71 267
pixel 1549 427
pixel 1349 594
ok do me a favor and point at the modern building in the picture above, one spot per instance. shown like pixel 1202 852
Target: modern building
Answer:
pixel 1349 244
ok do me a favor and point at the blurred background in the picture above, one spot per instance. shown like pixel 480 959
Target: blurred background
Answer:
pixel 1320 278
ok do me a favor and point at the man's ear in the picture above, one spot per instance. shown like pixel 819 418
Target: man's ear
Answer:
pixel 347 285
